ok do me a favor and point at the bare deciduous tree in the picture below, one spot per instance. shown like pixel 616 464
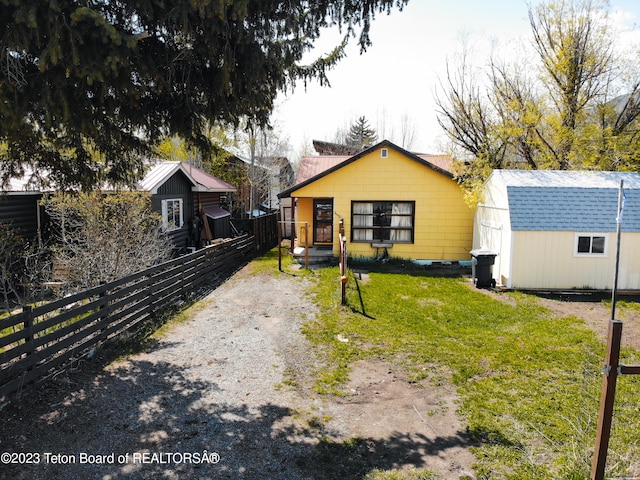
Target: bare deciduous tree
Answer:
pixel 577 106
pixel 465 114
pixel 266 147
pixel 10 259
pixel 105 236
pixel 24 267
pixel 408 133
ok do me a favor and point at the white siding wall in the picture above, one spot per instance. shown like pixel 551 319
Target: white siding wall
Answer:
pixel 546 260
pixel 492 229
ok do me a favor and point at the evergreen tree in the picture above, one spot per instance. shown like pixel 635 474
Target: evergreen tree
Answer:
pixel 86 87
pixel 361 134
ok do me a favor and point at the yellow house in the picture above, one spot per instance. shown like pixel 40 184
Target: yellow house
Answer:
pixel 391 201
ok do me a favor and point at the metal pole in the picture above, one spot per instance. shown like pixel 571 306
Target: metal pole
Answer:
pixel 614 290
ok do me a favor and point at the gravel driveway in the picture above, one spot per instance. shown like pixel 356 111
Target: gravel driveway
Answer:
pixel 210 400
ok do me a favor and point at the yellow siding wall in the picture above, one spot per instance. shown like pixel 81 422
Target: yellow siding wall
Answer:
pixel 305 214
pixel 546 260
pixel 443 222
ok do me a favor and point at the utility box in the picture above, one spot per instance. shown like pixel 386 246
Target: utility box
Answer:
pixel 482 267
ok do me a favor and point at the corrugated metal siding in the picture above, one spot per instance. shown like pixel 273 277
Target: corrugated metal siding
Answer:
pixel 21 211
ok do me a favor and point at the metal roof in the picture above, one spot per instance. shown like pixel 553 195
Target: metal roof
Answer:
pixel 207 182
pixel 160 173
pixel 580 201
pixel 215 212
pixel 200 180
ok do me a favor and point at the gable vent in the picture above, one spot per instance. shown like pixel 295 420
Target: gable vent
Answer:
pixel 384 153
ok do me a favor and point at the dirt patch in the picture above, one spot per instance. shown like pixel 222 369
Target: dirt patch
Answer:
pixel 596 313
pixel 381 404
pixel 221 385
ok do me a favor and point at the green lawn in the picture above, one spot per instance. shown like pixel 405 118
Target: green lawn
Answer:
pixel 528 382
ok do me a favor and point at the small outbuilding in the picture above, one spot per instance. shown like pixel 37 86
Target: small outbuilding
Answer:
pixel 556 230
pixel 190 202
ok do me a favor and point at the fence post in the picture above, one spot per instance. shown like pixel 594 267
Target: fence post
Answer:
pixel 104 313
pixel 343 261
pixel 279 248
pixel 607 399
pixel 306 245
pixel 27 312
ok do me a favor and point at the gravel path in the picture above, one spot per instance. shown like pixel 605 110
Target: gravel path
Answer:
pixel 211 400
pixel 208 385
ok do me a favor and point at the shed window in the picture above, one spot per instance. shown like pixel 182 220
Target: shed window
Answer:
pixel 172 218
pixel 377 221
pixel 590 244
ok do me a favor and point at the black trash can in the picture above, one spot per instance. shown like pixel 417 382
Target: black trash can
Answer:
pixel 482 267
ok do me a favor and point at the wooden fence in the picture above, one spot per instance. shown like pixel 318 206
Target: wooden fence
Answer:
pixel 49 336
pixel 264 228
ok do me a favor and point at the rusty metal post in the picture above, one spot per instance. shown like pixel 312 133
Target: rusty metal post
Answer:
pixel 607 400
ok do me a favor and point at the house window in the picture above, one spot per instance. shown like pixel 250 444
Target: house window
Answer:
pixel 382 221
pixel 172 214
pixel 590 244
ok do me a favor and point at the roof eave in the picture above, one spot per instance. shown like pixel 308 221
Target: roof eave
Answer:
pixel 203 189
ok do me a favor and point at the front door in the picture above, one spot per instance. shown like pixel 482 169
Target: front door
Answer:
pixel 323 220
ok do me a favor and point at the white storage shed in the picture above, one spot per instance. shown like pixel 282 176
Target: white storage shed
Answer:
pixel 556 230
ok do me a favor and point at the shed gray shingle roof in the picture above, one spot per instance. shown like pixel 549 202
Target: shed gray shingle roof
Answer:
pixel 577 201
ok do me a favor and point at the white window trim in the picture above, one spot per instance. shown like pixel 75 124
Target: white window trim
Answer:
pixel 165 214
pixel 577 235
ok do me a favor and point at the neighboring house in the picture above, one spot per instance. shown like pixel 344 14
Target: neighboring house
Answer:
pixel 329 148
pixel 557 229
pixel 191 202
pixel 185 195
pixel 262 179
pixel 20 208
pixel 282 177
pixel 391 201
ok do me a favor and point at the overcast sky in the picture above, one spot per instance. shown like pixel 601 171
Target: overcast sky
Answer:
pixel 399 74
